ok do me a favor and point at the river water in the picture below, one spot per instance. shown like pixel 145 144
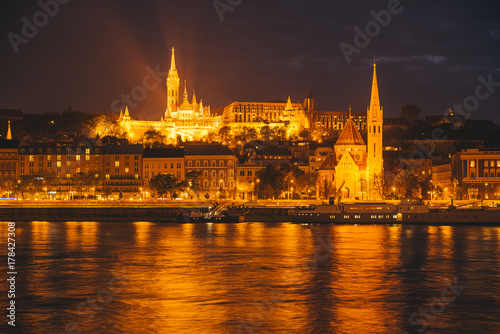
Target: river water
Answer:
pixel 253 278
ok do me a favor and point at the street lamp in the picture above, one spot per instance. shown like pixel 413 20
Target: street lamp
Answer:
pixel 253 187
pixel 257 188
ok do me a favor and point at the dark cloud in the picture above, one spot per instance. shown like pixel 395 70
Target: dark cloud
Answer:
pixel 92 52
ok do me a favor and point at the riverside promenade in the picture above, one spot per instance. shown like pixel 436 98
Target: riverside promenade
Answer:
pixel 163 210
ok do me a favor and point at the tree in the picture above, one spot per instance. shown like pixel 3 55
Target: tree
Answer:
pixel 153 136
pixel 274 180
pixel 305 134
pixel 411 112
pixel 23 185
pixel 279 133
pixel 107 191
pixel 265 132
pixel 457 190
pixel 163 184
pixel 192 183
pixel 225 134
pixel 407 184
pixel 379 185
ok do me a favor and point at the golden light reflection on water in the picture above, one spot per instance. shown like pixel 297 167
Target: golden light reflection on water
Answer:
pixel 261 278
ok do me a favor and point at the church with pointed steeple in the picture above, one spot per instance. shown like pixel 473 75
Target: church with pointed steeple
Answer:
pixel 355 166
pixel 183 119
pixel 182 110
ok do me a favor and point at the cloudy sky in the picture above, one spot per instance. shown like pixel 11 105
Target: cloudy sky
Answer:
pixel 89 54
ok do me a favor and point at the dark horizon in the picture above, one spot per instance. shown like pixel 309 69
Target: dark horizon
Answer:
pixel 88 54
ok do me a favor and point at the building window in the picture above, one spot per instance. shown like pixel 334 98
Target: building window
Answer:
pixel 213 164
pixel 249 173
pixel 190 164
pixel 486 163
pixel 59 164
pixel 197 164
pixel 77 158
pixel 127 170
pixel 117 170
pixel 146 175
pixel 117 157
pixel 473 163
pixel 179 166
pixel 117 163
pixel 242 173
pixel 136 157
pixel 206 163
pixel 87 157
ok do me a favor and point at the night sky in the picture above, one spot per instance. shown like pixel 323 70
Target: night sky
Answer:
pixel 91 52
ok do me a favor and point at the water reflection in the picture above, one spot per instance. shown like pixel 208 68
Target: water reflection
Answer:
pixel 255 278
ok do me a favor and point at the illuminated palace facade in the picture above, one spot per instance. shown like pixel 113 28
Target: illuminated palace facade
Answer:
pixel 191 120
pixel 355 168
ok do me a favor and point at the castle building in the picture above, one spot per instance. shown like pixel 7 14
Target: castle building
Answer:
pixel 183 120
pixel 259 114
pixel 355 167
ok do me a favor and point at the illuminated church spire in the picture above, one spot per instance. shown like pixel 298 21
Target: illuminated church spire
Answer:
pixel 9 133
pixel 375 122
pixel 375 99
pixel 289 105
pixel 173 84
pixel 194 97
pixel 172 62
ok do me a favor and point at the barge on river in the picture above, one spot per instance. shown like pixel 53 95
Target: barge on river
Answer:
pixel 409 211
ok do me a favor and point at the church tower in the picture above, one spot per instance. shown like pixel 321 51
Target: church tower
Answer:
pixel 375 120
pixel 173 84
pixel 310 107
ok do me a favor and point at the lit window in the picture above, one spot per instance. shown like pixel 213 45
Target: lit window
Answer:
pixel 117 163
pixel 77 158
pixel 473 163
pixel 87 151
pixel 127 170
pixel 59 164
pixel 486 163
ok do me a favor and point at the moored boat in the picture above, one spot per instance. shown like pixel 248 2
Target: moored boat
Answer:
pixel 408 211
